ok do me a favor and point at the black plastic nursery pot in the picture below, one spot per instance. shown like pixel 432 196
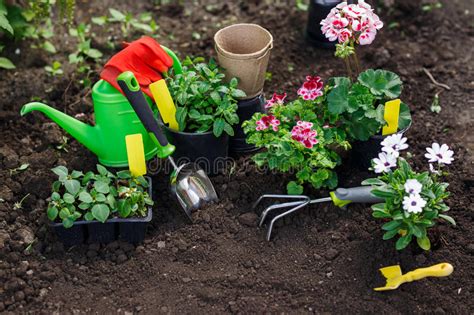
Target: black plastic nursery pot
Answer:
pixel 204 149
pixel 317 11
pixel 131 230
pixel 364 151
pixel 245 111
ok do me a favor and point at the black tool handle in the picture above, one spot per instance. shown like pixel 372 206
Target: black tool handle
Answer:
pixel 130 87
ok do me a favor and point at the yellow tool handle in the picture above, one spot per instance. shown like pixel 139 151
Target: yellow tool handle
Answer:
pixel 391 114
pixel 439 270
pixel 165 103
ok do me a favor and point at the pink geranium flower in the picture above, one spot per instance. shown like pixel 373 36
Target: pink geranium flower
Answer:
pixel 312 88
pixel 303 133
pixel 351 22
pixel 276 99
pixel 267 121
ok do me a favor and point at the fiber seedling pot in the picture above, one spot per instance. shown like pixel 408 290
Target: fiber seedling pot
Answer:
pixel 204 149
pixel 318 10
pixel 243 50
pixel 364 151
pixel 246 109
pixel 131 230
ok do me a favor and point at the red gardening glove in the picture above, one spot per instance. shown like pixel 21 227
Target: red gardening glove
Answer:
pixel 144 57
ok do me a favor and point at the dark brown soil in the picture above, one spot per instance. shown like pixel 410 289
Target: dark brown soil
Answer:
pixel 323 259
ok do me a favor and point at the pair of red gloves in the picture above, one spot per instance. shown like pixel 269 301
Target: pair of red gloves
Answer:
pixel 144 57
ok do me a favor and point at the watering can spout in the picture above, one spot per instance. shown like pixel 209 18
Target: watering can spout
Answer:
pixel 88 135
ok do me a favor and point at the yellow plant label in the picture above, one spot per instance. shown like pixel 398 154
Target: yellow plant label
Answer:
pixel 165 103
pixel 136 154
pixel 391 114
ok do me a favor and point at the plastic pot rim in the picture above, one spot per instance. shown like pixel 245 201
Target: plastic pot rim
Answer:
pixel 196 134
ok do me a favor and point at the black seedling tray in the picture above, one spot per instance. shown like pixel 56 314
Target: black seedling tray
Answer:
pixel 131 230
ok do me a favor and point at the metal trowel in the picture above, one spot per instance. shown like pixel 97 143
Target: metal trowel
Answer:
pixel 189 183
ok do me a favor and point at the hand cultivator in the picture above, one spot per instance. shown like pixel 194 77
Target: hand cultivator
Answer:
pixel 340 197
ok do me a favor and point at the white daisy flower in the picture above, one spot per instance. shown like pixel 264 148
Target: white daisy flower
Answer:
pixel 394 144
pixel 384 162
pixel 440 154
pixel 413 187
pixel 413 203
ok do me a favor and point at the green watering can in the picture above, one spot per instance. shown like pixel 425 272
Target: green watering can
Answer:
pixel 114 119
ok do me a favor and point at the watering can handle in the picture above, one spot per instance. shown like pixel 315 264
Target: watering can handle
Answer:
pixel 129 85
pixel 178 69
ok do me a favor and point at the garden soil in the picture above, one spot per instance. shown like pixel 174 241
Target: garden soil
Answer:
pixel 322 259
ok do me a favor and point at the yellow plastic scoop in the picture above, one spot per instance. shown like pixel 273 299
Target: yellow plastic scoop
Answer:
pixel 395 278
pixel 136 154
pixel 165 103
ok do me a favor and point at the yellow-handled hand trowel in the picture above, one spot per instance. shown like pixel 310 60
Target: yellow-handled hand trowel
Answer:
pixel 165 103
pixel 395 278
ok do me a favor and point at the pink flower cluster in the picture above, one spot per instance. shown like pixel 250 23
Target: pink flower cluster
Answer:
pixel 352 21
pixel 303 133
pixel 312 88
pixel 267 121
pixel 276 99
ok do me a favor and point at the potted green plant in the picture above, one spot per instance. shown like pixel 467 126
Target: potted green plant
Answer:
pixel 299 136
pixel 206 109
pixel 358 107
pixel 414 201
pixel 99 207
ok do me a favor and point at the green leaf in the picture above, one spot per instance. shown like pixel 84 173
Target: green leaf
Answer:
pixel 85 197
pixel 424 242
pixel 117 15
pixel 72 186
pixel 391 225
pixel 381 82
pixel 61 171
pixel 417 231
pixel 181 113
pixel 404 118
pixel 100 197
pixel 378 207
pixel 216 97
pixel 100 212
pixel 68 198
pixel 228 129
pixel 383 192
pixel 89 216
pixel 76 174
pixel 56 185
pixel 5 24
pixel 84 206
pixel 5 63
pixel 52 213
pixel 448 218
pixel 238 93
pixel 381 215
pixel 218 127
pixel 102 170
pixel 55 196
pixel 111 201
pixel 338 98
pixel 389 234
pixel 373 182
pixel 64 213
pixel 99 20
pixel 49 47
pixel 68 222
pixel 125 174
pixel 101 187
pixel 233 83
pixel 194 114
pixel 294 189
pixel 403 241
pixel 93 53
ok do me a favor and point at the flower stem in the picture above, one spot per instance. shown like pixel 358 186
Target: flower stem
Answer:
pixel 348 67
